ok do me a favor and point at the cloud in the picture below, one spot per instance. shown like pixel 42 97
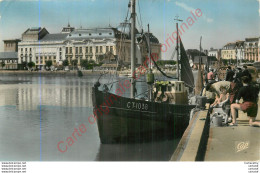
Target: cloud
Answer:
pixel 184 6
pixel 189 9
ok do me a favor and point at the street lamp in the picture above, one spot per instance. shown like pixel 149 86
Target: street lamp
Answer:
pixel 241 54
pixel 236 56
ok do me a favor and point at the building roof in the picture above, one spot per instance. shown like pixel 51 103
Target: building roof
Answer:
pixel 54 37
pixel 8 55
pixel 82 34
pixel 230 46
pixel 34 34
pixel 34 30
pixel 96 33
pixel 12 40
pixel 125 27
pixel 252 39
pixel 152 38
pixel 194 52
pixel 212 49
pixel 67 29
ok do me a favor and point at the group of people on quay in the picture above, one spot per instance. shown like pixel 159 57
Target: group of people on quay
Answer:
pixel 237 84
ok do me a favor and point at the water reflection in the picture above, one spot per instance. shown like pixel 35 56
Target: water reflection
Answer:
pixel 30 96
pixel 157 151
pixel 38 112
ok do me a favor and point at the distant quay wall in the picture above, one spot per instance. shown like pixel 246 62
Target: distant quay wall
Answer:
pixel 65 73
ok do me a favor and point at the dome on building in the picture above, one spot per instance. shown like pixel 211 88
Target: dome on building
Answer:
pixel 125 28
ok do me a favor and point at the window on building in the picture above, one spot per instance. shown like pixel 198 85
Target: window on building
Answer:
pixel 100 33
pixel 111 48
pixel 89 34
pixel 76 50
pixel 79 34
pixel 96 49
pixel 54 57
pixel 25 49
pixel 60 49
pixel 67 50
pixel 86 49
pixel 80 50
pixel 21 49
pixel 90 49
pixel 101 49
pixel 30 49
pixel 107 48
pixel 70 49
pixel 110 33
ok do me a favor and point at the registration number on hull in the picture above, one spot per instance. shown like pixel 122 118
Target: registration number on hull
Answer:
pixel 138 106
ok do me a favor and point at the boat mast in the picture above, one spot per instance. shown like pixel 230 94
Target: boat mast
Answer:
pixel 178 52
pixel 133 17
pixel 150 75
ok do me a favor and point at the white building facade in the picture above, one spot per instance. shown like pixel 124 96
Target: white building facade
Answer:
pixel 39 46
pixel 214 52
pixel 251 49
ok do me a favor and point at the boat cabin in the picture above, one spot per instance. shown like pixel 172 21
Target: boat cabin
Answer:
pixel 173 92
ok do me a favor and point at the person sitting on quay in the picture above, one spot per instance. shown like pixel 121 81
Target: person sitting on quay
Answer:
pixel 249 94
pixel 230 74
pixel 220 99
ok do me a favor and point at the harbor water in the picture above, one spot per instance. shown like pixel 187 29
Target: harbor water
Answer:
pixel 37 112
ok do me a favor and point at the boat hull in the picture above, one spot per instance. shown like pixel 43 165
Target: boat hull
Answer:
pixel 126 120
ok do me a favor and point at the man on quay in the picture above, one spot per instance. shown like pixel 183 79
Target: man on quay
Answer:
pixel 230 74
pixel 246 73
pixel 215 87
pixel 210 76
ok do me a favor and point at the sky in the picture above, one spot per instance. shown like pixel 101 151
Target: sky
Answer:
pixel 222 21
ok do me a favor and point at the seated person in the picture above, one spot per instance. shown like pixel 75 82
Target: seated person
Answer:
pixel 223 97
pixel 249 94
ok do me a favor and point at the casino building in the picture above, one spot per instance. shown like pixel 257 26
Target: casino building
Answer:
pixel 98 44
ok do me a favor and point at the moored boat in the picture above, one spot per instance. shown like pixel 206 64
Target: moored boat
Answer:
pixel 165 115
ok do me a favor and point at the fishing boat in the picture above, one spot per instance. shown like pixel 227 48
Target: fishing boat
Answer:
pixel 165 115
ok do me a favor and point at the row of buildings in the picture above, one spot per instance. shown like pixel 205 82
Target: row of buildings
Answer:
pixel 239 51
pixel 249 50
pixel 108 45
